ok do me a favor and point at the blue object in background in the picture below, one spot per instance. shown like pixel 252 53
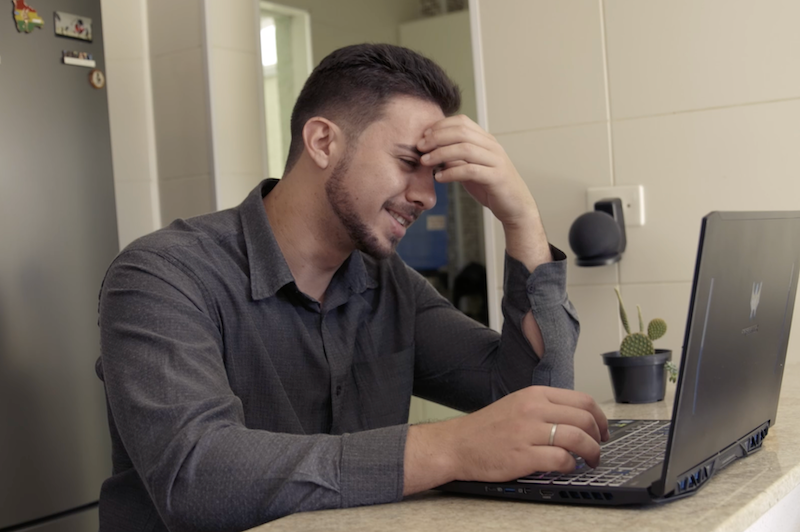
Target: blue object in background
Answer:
pixel 424 246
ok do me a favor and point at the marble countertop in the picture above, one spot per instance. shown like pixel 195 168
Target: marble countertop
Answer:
pixel 733 500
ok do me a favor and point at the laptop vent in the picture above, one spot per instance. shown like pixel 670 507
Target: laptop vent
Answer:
pixel 695 478
pixel 586 495
pixel 754 441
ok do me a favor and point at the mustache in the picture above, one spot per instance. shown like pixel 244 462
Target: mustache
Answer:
pixel 410 211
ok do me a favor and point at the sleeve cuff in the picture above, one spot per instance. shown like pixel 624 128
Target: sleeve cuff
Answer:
pixel 546 286
pixel 544 292
pixel 373 466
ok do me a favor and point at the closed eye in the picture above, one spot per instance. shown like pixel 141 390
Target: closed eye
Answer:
pixel 412 164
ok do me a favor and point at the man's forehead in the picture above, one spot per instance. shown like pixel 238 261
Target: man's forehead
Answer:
pixel 409 115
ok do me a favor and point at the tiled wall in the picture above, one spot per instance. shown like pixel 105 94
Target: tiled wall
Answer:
pixel 130 106
pixel 181 107
pixel 158 110
pixel 697 100
pixel 237 125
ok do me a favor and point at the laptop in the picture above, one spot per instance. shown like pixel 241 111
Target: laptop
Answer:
pixel 743 295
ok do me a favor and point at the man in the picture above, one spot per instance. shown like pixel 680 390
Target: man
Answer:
pixel 259 361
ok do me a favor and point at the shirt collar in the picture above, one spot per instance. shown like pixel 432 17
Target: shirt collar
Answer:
pixel 269 271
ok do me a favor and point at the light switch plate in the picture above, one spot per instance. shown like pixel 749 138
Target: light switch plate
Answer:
pixel 632 201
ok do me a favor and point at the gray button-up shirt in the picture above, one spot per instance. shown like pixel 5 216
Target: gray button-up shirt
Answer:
pixel 235 399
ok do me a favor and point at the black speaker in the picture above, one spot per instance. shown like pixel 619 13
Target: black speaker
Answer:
pixel 598 238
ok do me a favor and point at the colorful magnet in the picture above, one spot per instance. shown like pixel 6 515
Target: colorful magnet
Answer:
pixel 26 17
pixel 74 26
pixel 84 59
pixel 97 79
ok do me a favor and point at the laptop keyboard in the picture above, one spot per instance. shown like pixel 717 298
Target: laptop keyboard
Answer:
pixel 620 459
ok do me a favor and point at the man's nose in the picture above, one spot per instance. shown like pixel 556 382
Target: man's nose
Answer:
pixel 421 189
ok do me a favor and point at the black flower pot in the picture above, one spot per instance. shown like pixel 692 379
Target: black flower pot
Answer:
pixel 638 379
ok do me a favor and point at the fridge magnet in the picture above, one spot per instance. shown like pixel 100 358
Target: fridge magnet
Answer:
pixel 26 17
pixel 97 79
pixel 83 59
pixel 73 26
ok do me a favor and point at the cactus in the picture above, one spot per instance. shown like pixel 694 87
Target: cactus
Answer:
pixel 622 314
pixel 639 344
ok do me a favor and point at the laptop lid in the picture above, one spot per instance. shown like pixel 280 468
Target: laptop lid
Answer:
pixel 734 349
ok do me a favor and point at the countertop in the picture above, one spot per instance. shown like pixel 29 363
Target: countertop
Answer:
pixel 732 501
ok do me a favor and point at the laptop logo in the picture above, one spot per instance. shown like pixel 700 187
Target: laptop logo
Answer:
pixel 755 298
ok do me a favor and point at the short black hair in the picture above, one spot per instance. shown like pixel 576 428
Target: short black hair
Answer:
pixel 352 85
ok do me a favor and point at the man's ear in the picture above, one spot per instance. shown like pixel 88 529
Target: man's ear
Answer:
pixel 323 141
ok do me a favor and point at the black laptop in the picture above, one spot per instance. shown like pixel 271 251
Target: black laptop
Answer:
pixel 726 399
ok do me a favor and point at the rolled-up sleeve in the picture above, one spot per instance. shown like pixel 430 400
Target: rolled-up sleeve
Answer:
pixel 462 364
pixel 544 292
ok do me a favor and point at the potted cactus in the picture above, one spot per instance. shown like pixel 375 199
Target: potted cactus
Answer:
pixel 638 370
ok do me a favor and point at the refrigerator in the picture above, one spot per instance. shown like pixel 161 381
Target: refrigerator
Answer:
pixel 58 234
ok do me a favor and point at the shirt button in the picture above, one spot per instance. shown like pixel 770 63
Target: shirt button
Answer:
pixel 339 390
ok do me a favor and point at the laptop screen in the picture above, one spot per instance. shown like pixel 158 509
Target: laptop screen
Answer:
pixel 737 332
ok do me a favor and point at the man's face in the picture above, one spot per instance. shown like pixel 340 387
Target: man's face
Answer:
pixel 379 186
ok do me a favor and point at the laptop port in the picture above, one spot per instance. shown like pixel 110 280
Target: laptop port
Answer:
pixel 547 494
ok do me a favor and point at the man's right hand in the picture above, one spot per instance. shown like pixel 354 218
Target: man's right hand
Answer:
pixel 507 439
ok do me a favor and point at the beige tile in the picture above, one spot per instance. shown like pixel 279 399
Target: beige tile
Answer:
pixel 543 63
pixel 234 25
pixel 236 111
pixel 232 188
pixel 671 56
pixel 600 333
pixel 446 39
pixel 124 29
pixel 128 111
pixel 559 165
pixel 186 197
pixel 136 210
pixel 742 158
pixel 181 114
pixel 175 25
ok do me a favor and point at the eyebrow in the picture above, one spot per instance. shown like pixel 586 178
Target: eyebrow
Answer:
pixel 411 149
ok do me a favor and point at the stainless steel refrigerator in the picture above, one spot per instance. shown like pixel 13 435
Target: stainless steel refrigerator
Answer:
pixel 58 234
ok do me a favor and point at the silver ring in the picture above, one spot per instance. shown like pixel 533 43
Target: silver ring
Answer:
pixel 552 434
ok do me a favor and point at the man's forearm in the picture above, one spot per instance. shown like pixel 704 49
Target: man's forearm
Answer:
pixel 527 242
pixel 427 461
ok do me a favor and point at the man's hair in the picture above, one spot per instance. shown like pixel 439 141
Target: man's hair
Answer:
pixel 352 86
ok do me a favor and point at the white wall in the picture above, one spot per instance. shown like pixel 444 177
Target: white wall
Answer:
pixel 697 100
pixel 130 108
pixel 181 107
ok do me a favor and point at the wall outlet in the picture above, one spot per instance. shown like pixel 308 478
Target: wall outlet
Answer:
pixel 632 201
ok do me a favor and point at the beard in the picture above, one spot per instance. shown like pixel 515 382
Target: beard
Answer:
pixel 344 207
